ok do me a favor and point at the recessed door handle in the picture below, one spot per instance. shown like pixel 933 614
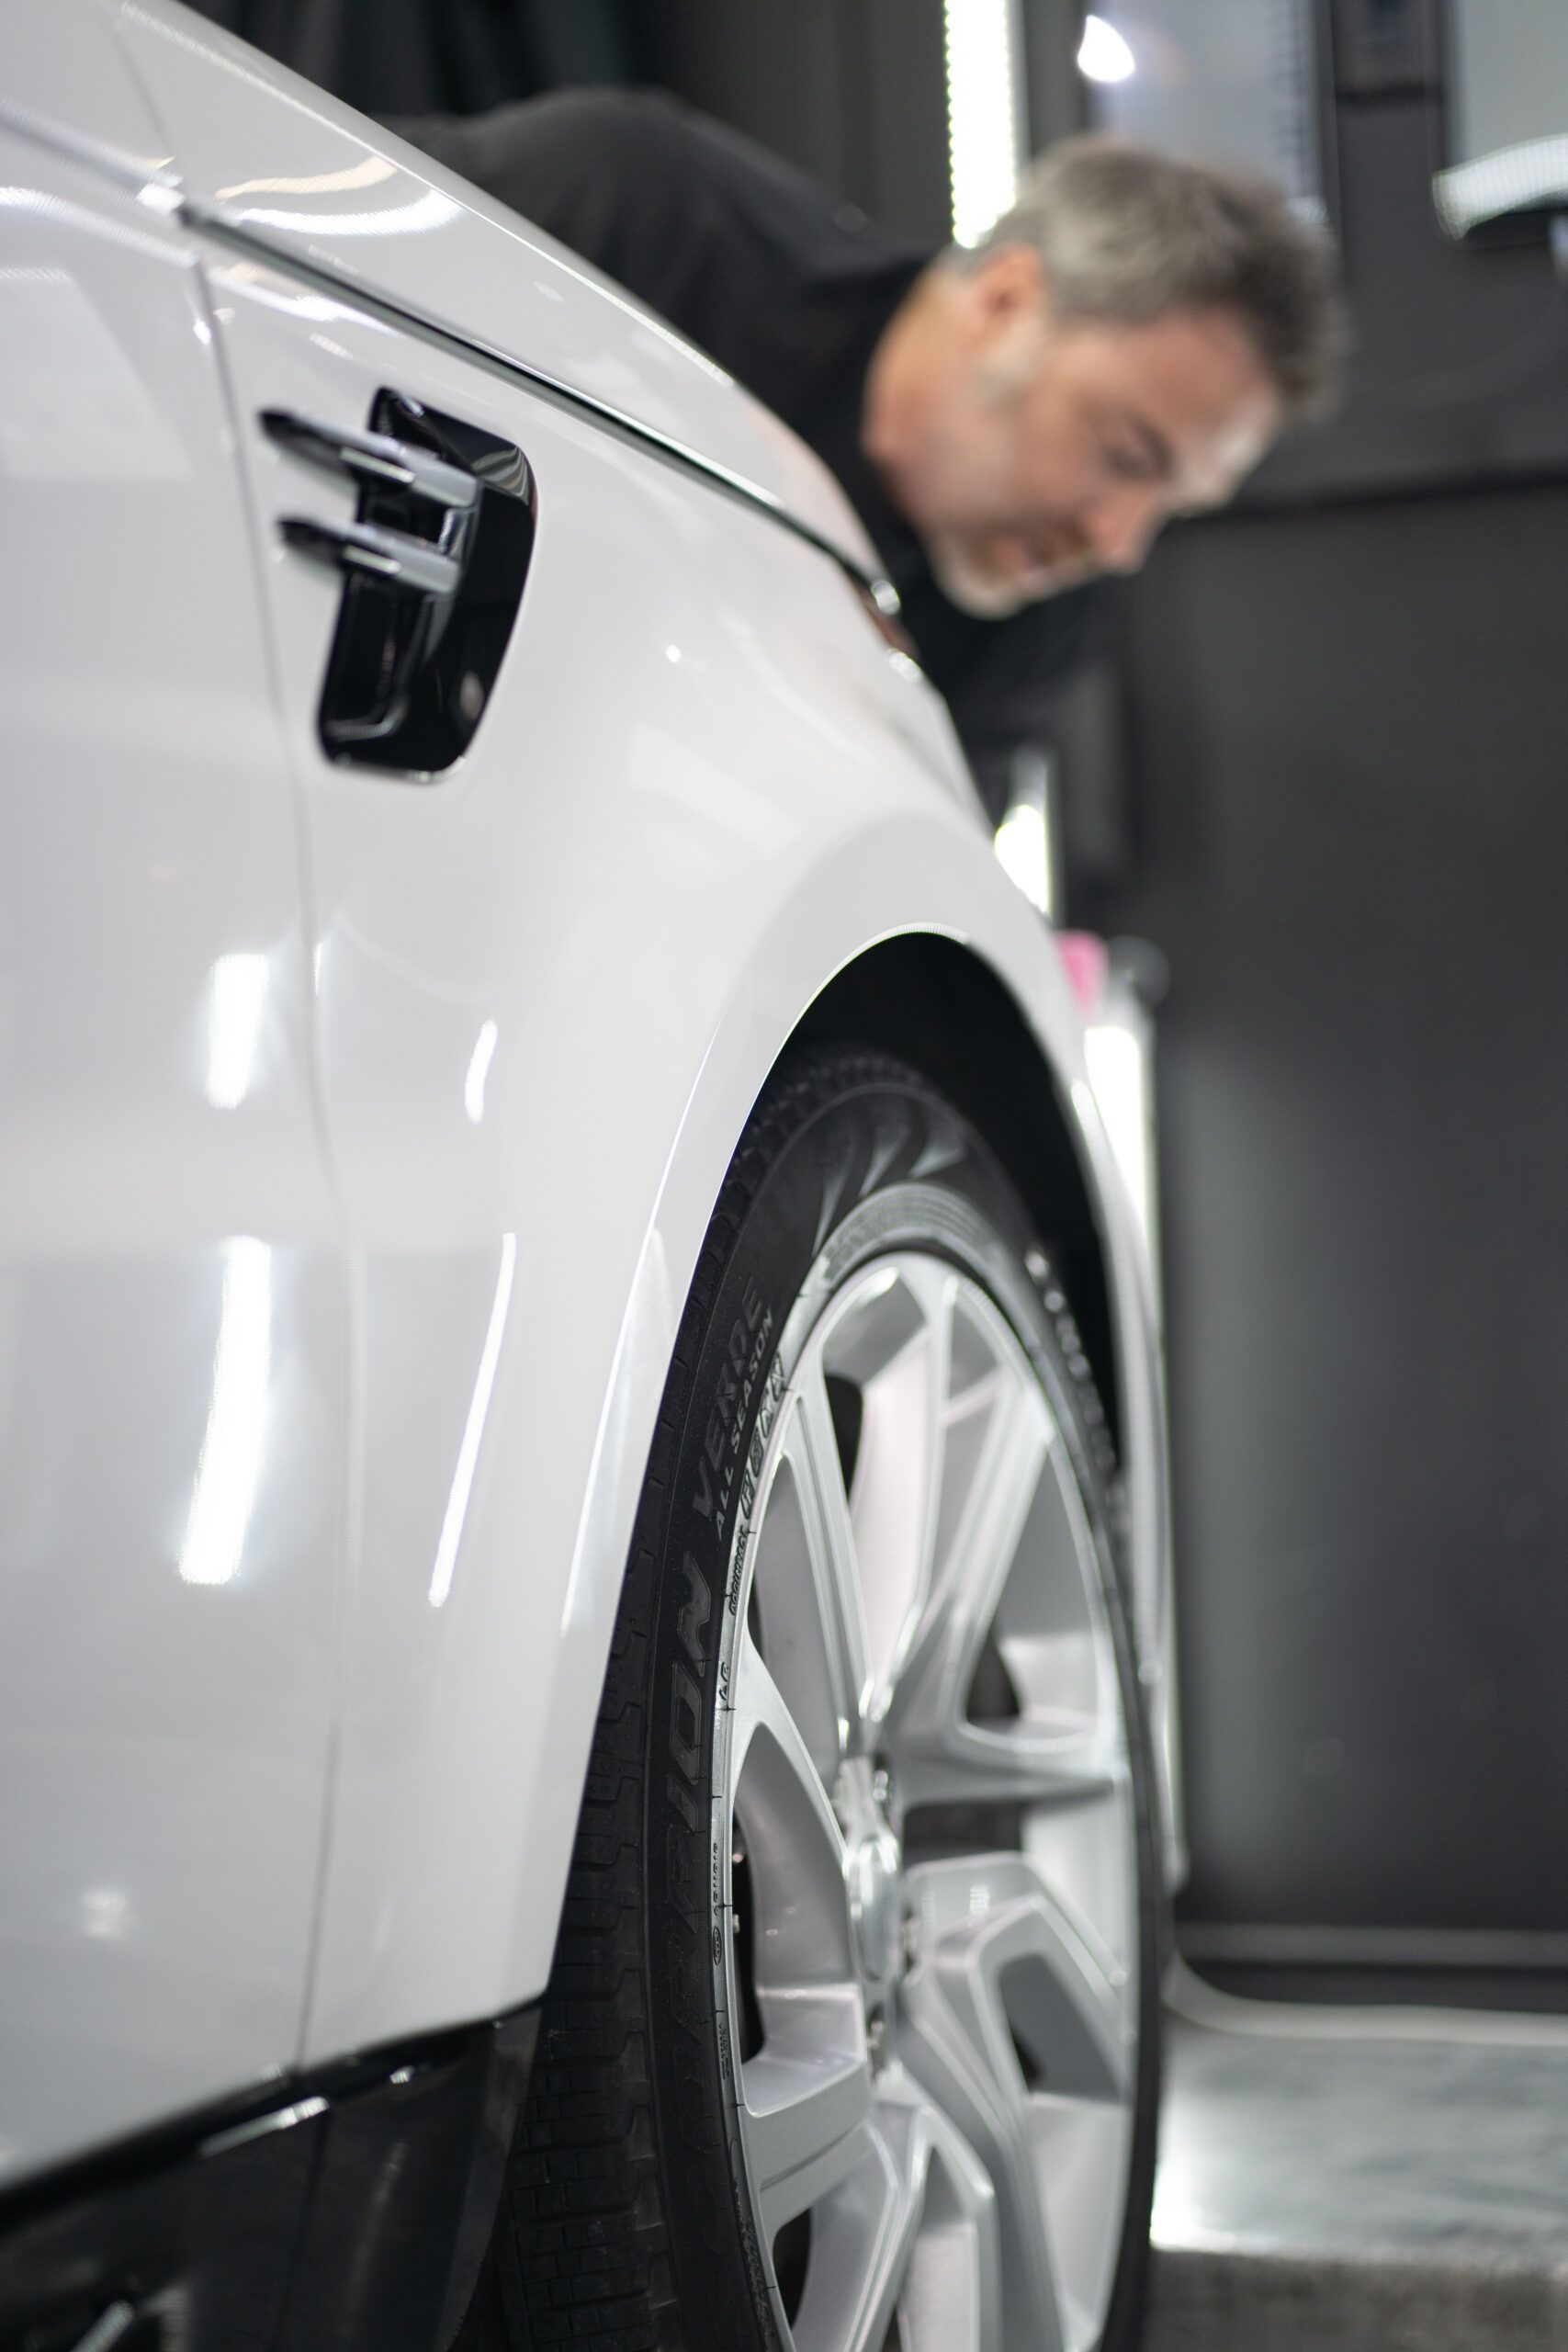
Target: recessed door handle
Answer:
pixel 375 460
pixel 391 558
pixel 433 565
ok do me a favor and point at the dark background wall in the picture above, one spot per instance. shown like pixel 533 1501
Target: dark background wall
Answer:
pixel 1344 801
pixel 1348 730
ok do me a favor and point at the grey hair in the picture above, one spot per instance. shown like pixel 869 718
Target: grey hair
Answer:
pixel 1126 233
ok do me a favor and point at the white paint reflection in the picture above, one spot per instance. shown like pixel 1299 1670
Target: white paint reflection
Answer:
pixel 160 196
pixel 1022 850
pixel 431 210
pixel 106 1914
pixel 1119 1072
pixel 238 995
pixel 368 172
pixel 478 1071
pixel 236 1419
pixel 469 1453
pixel 1187 2212
pixel 72 406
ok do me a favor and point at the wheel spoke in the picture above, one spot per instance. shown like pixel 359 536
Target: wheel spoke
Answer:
pixel 983 1529
pixel 1078 1765
pixel 809 1580
pixel 1005 1981
pixel 793 1842
pixel 933 1687
pixel 804 2108
pixel 893 1342
pixel 1020 1972
pixel 949 2259
pixel 1015 1577
pixel 910 2234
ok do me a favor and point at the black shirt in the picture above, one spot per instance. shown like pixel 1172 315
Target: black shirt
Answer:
pixel 790 293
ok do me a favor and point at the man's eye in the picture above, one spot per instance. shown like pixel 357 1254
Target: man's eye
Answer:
pixel 1127 464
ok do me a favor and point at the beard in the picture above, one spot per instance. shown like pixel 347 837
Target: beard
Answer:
pixel 988 592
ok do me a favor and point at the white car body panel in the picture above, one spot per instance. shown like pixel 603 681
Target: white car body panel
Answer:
pixel 172 1326
pixel 64 79
pixel 536 998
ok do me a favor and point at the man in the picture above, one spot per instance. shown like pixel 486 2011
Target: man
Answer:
pixel 1009 422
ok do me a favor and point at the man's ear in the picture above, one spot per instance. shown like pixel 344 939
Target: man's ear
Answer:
pixel 1008 285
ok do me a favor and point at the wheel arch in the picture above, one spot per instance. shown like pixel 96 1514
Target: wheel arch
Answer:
pixel 933 1002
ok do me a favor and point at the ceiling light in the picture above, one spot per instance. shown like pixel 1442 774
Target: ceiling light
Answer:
pixel 1104 55
pixel 982 113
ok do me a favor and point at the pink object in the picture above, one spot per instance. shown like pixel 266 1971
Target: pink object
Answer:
pixel 1083 959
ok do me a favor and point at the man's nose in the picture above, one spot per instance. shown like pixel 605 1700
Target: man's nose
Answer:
pixel 1122 524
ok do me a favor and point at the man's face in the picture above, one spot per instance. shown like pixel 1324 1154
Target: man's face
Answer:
pixel 1045 451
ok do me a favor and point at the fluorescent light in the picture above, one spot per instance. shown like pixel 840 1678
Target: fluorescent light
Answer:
pixel 1104 55
pixel 1513 179
pixel 236 1419
pixel 239 994
pixel 982 113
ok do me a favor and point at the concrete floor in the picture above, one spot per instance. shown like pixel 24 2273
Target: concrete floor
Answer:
pixel 1360 2180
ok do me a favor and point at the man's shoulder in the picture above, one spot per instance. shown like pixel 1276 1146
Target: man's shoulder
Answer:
pixel 655 192
pixel 608 122
pixel 659 153
pixel 646 139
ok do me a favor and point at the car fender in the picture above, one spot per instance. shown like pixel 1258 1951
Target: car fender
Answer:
pixel 466 1737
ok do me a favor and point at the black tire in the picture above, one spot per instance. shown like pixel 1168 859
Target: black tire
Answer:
pixel 625 2220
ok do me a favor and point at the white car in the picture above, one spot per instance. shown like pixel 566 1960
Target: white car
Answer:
pixel 582 1485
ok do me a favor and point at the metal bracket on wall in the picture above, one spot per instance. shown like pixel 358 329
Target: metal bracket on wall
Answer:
pixel 1381 47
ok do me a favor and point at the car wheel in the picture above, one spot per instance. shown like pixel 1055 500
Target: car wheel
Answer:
pixel 851 2042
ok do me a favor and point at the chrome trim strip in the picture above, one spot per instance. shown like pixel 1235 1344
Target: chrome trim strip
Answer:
pixel 135 174
pixel 282 2119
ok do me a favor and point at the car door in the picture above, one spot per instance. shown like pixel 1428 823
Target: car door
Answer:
pixel 173 1357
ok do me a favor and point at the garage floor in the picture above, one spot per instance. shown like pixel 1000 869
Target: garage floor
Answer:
pixel 1338 2180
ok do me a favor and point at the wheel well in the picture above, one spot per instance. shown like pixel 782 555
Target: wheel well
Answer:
pixel 933 1004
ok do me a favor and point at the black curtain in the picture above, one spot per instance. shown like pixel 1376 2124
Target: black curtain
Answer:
pixel 390 56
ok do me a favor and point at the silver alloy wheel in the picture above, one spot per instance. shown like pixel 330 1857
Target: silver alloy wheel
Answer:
pixel 925 1843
